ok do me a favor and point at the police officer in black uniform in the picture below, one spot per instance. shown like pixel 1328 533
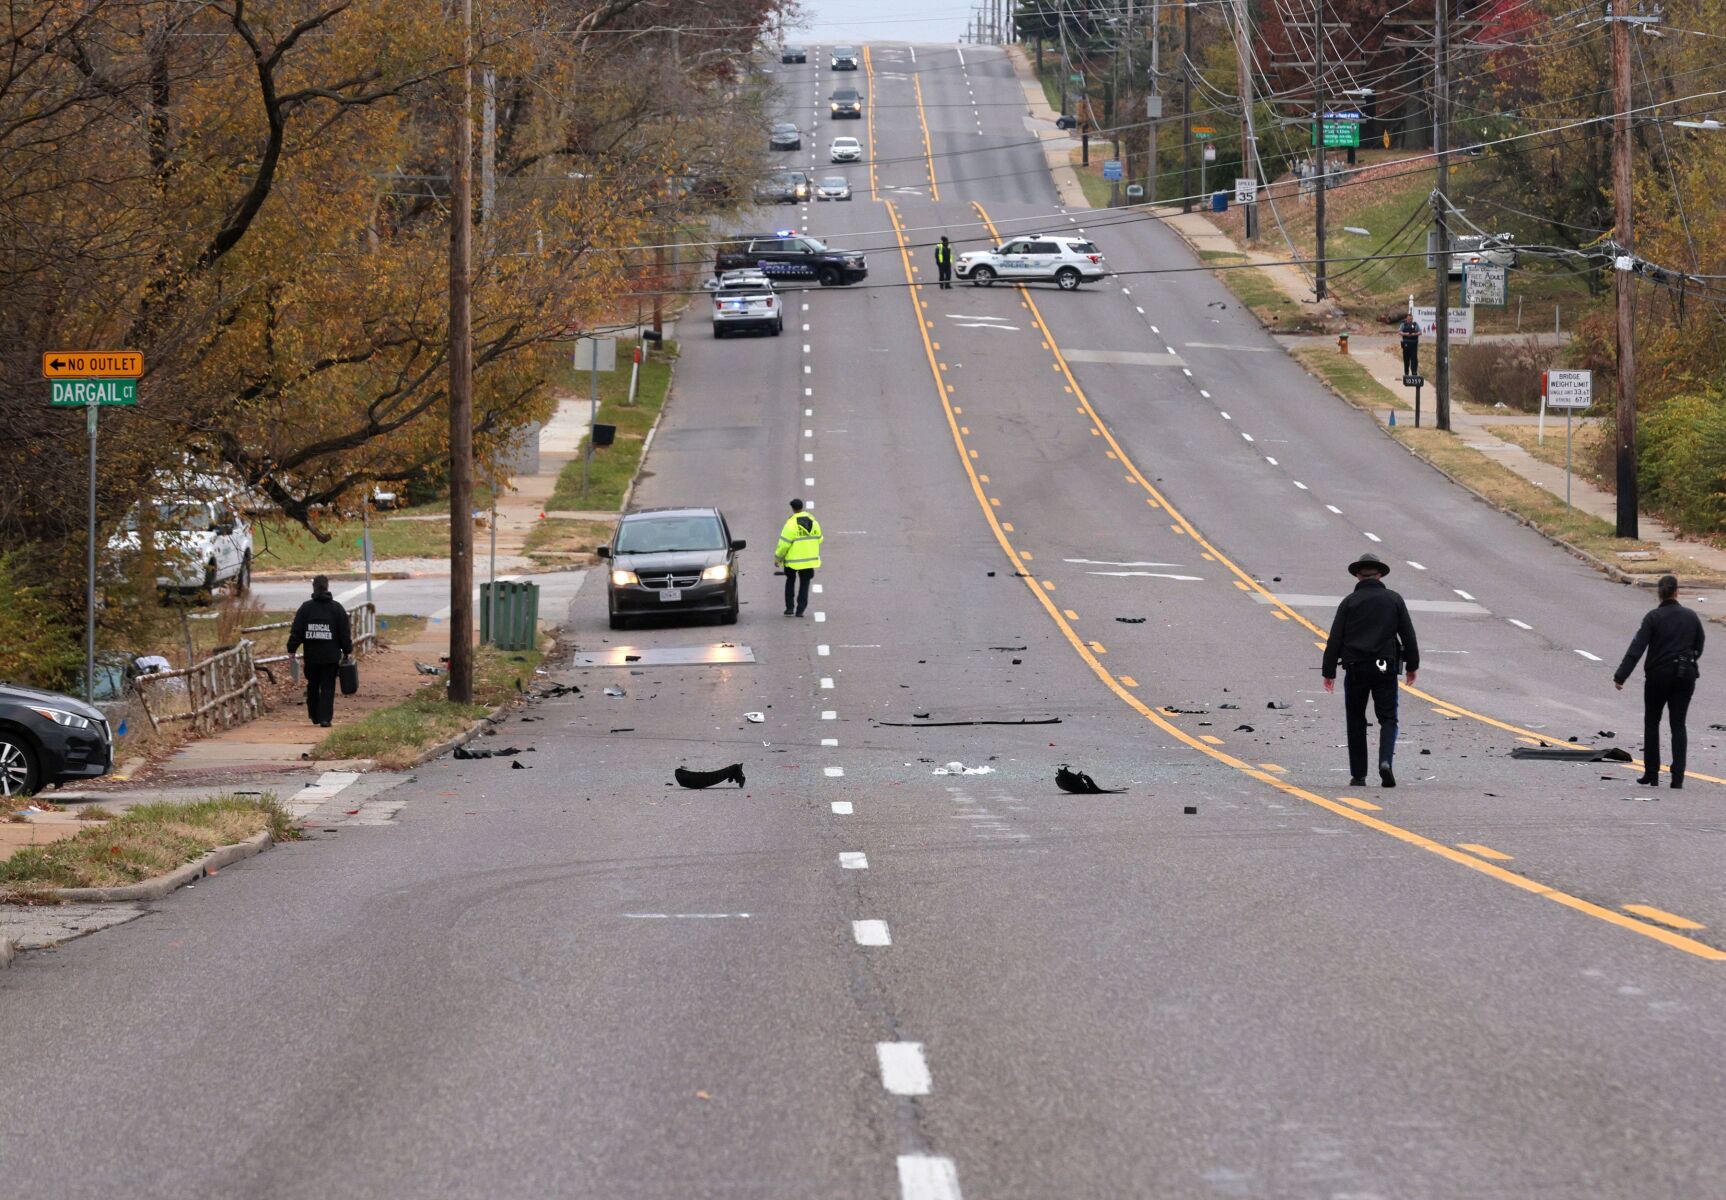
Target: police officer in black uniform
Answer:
pixel 944 262
pixel 1372 638
pixel 321 626
pixel 1410 345
pixel 1672 636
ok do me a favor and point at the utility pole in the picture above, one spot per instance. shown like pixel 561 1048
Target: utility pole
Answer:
pixel 461 385
pixel 1154 107
pixel 1623 235
pixel 1440 211
pixel 1249 142
pixel 1186 108
pixel 1319 36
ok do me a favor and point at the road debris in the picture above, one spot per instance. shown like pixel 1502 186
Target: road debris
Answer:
pixel 927 724
pixel 1131 620
pixel 1572 754
pixel 706 779
pixel 959 768
pixel 754 718
pixel 616 693
pixel 1081 784
pixel 502 752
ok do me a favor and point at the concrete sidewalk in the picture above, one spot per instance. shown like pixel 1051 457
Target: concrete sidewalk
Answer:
pixel 1058 144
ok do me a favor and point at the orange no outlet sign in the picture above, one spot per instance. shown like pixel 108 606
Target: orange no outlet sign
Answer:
pixel 86 364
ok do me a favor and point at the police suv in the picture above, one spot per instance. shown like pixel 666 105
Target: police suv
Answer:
pixel 786 255
pixel 1067 261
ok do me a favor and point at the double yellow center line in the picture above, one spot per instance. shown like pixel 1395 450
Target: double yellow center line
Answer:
pixel 1090 656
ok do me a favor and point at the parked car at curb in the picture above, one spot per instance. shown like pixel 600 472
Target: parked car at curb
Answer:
pixel 1066 261
pixel 672 560
pixel 201 544
pixel 47 738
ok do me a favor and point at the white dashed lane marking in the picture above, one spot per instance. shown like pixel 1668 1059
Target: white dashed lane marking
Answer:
pixel 904 1071
pixel 1462 593
pixel 841 808
pixel 871 933
pixel 1373 537
pixel 1519 624
pixel 1588 656
pixel 928 1177
pixel 833 772
pixel 854 860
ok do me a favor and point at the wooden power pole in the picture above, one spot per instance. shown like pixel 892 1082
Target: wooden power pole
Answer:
pixel 1441 213
pixel 461 385
pixel 1623 235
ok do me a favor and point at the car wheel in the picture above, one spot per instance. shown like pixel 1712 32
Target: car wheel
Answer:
pixel 718 332
pixel 619 621
pixel 1068 278
pixel 982 276
pixel 729 616
pixel 829 276
pixel 243 581
pixel 19 774
pixel 779 328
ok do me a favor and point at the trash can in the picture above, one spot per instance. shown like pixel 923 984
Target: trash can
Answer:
pixel 517 623
pixel 1219 202
pixel 604 435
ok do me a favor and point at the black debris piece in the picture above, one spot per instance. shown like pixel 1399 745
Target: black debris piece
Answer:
pixel 1131 620
pixel 991 574
pixel 632 658
pixel 560 689
pixel 1605 733
pixel 1191 810
pixel 518 765
pixel 1426 751
pixel 1190 712
pixel 706 779
pixel 625 729
pixel 1276 704
pixel 1009 649
pixel 503 752
pixel 926 724
pixel 1228 705
pixel 1018 661
pixel 1081 784
pixel 517 682
pixel 921 716
pixel 1245 729
pixel 1572 754
pixel 1573 739
pixel 1276 578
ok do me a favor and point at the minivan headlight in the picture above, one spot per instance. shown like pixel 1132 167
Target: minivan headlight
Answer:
pixel 61 717
pixel 716 574
pixel 623 578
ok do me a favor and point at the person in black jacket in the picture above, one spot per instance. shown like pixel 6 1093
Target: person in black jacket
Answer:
pixel 1372 638
pixel 1672 636
pixel 321 626
pixel 1410 345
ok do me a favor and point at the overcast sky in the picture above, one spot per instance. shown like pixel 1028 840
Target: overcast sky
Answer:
pixel 884 20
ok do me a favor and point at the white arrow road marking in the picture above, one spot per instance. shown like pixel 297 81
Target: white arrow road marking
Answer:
pixel 984 325
pixel 1147 575
pixel 1108 562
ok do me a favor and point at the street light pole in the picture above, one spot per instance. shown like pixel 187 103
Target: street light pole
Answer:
pixel 1623 235
pixel 461 386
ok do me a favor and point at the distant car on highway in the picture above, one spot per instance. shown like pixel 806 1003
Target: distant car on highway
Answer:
pixel 672 560
pixel 1067 261
pixel 47 738
pixel 747 302
pixel 785 136
pixel 833 187
pixel 845 149
pixel 845 102
pixel 793 54
pixel 843 58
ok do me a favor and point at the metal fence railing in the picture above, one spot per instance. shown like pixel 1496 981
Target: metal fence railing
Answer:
pixel 216 693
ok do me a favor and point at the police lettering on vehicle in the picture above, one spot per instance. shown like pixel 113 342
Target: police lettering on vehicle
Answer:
pixel 783 268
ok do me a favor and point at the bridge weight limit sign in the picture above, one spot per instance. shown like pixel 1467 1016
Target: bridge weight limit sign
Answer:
pixel 91 380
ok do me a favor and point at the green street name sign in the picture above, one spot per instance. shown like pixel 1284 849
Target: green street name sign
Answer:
pixel 76 393
pixel 1339 133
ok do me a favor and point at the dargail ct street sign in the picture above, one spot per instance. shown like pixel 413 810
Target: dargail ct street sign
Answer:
pixel 92 364
pixel 77 393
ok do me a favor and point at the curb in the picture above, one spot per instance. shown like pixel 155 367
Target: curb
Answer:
pixel 8 952
pixel 647 442
pixel 461 739
pixel 349 576
pixel 155 889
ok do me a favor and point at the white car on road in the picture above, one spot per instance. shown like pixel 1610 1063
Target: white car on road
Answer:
pixel 845 149
pixel 1067 261
pixel 833 187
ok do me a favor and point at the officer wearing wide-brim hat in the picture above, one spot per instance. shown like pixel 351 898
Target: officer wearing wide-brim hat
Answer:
pixel 1373 638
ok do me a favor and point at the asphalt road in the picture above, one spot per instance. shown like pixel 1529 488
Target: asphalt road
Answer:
pixel 856 977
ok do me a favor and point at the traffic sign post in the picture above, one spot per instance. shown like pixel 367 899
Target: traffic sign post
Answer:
pixel 1246 191
pixel 91 380
pixel 1416 382
pixel 1569 390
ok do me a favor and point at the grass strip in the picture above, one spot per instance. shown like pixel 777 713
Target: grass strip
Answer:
pixel 615 466
pixel 287 547
pixel 142 843
pixel 567 538
pixel 395 736
pixel 1253 288
pixel 1350 380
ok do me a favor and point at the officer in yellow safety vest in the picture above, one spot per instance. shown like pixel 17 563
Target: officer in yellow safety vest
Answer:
pixel 944 262
pixel 799 552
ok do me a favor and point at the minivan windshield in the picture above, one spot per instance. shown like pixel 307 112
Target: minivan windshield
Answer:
pixel 666 535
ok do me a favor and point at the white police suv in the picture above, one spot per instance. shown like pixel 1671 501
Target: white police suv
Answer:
pixel 1066 261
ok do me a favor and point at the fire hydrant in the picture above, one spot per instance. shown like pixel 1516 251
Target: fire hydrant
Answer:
pixel 1342 343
